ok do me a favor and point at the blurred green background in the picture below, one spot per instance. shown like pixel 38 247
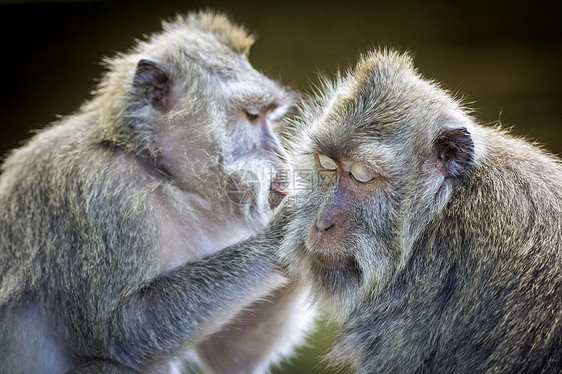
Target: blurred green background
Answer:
pixel 503 57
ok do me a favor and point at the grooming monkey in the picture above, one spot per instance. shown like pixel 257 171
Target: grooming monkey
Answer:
pixel 434 241
pixel 111 221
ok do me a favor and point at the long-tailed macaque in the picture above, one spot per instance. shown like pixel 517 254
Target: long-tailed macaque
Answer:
pixel 111 220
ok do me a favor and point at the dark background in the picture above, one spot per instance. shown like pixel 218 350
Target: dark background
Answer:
pixel 505 58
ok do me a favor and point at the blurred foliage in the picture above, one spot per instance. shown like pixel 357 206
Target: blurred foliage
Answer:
pixel 502 57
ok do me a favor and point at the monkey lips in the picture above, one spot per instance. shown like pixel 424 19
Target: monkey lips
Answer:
pixel 277 192
pixel 327 248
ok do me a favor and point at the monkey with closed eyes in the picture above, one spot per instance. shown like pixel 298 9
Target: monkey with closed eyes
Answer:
pixel 434 241
pixel 112 220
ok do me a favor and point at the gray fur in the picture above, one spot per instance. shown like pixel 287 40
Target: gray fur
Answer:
pixel 456 253
pixel 111 220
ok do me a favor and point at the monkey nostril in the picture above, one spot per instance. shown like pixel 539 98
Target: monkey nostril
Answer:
pixel 323 225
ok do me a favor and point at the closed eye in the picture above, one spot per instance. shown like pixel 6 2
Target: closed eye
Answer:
pixel 326 162
pixel 251 116
pixel 360 174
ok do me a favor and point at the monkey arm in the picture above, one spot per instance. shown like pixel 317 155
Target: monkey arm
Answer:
pixel 195 299
pixel 101 366
pixel 264 332
pixel 260 335
pixel 182 305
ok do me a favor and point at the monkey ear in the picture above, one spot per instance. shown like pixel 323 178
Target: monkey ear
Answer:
pixel 454 152
pixel 152 85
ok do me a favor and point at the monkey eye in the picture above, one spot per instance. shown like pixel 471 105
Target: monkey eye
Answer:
pixel 252 116
pixel 327 163
pixel 359 173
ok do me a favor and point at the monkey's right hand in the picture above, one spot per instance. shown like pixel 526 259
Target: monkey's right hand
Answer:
pixel 274 233
pixel 278 223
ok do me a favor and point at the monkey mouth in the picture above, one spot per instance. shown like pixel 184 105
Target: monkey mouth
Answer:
pixel 277 193
pixel 331 259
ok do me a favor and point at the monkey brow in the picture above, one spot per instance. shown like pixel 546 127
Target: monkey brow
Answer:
pixel 335 146
pixel 268 102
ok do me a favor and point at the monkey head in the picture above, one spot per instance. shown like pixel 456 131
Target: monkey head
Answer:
pixel 196 111
pixel 380 152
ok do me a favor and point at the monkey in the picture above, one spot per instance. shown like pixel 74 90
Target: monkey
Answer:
pixel 433 241
pixel 113 220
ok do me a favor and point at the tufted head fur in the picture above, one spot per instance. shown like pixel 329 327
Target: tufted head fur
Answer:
pixel 436 231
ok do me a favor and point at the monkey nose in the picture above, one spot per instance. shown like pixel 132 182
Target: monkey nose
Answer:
pixel 324 224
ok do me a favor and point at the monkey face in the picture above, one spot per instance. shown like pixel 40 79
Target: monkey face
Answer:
pixel 351 182
pixel 348 247
pixel 213 117
pixel 255 107
pixel 385 149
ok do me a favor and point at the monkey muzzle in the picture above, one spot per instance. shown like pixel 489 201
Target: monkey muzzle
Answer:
pixel 277 192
